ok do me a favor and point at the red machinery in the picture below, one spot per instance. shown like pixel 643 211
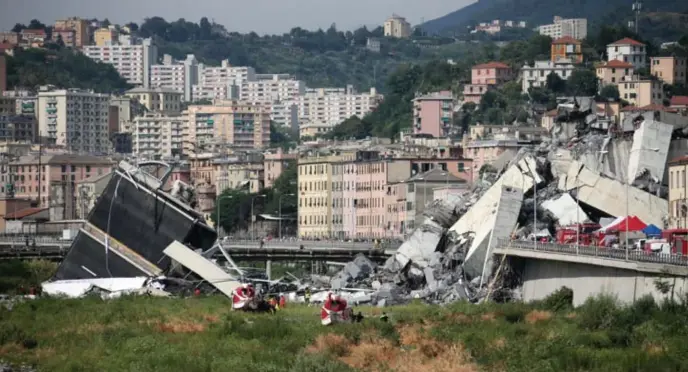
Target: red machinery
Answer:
pixel 678 239
pixel 585 236
pixel 244 298
pixel 335 310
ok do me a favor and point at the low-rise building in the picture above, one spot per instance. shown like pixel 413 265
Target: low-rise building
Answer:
pixel 397 26
pixel 641 92
pixel 245 171
pixel 679 102
pixel 671 70
pixel 612 72
pixel 536 76
pixel 485 76
pixel 576 28
pixel 628 50
pixel 567 48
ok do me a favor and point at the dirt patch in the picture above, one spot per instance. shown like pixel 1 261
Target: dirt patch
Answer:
pixel 498 343
pixel 180 326
pixel 10 349
pixel 538 316
pixel 460 318
pixel 488 317
pixel 417 352
pixel 654 349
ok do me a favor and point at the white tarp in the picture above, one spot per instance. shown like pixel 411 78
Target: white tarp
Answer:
pixel 566 210
pixel 78 287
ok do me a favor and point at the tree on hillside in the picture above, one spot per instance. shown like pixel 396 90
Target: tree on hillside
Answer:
pixel 18 27
pixel 582 82
pixel 610 92
pixel 36 25
pixel 133 26
pixel 555 83
pixel 353 127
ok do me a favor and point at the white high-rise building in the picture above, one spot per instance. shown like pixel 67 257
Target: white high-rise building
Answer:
pixel 576 28
pixel 272 87
pixel 76 119
pixel 131 57
pixel 156 135
pixel 329 107
pixel 220 82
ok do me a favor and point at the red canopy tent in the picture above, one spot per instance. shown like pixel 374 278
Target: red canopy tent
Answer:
pixel 634 224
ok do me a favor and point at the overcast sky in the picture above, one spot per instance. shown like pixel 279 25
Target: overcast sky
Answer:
pixel 261 16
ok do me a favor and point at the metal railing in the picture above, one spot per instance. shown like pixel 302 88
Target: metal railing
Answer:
pixel 594 251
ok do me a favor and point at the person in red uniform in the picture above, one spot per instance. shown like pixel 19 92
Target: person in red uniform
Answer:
pixel 282 301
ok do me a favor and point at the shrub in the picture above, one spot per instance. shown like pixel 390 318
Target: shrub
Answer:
pixel 598 312
pixel 560 300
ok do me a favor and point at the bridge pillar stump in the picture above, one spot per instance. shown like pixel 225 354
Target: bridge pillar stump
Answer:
pixel 268 269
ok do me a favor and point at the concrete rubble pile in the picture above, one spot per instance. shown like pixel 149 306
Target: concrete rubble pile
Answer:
pixel 580 174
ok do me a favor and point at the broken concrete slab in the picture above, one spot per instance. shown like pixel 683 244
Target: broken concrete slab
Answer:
pixel 566 211
pixel 609 195
pixel 420 246
pixel 651 142
pixel 203 267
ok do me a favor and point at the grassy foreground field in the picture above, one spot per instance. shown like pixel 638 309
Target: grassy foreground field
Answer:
pixel 202 334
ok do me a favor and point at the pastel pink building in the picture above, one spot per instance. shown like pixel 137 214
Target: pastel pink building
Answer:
pixel 370 199
pixel 395 210
pixel 349 196
pixel 485 76
pixel 433 113
pixel 32 176
pixel 275 163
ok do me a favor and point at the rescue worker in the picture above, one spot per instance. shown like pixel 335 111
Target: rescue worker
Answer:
pixel 273 303
pixel 282 301
pixel 307 296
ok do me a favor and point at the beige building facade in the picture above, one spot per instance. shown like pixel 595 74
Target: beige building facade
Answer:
pixel 671 70
pixel 678 195
pixel 397 26
pixel 641 92
pixel 161 100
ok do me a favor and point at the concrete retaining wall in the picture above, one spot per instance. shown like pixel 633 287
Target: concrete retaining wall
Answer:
pixel 543 277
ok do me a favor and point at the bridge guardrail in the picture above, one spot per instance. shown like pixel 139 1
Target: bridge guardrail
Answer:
pixel 594 251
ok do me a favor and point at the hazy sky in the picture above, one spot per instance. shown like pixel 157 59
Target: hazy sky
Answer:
pixel 261 16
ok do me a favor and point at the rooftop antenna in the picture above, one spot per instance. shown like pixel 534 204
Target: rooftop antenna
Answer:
pixel 637 7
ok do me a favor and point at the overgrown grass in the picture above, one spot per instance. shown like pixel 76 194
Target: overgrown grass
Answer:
pixel 16 275
pixel 202 334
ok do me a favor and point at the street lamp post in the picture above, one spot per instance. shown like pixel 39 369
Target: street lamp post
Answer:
pixel 217 210
pixel 253 218
pixel 279 204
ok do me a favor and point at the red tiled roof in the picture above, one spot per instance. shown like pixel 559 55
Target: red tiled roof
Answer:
pixel 566 40
pixel 680 159
pixel 627 41
pixel 5 46
pixel 630 108
pixel 23 213
pixel 679 101
pixel 36 31
pixel 491 65
pixel 615 63
pixel 656 107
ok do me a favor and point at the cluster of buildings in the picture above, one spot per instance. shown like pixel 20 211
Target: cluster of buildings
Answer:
pixel 495 26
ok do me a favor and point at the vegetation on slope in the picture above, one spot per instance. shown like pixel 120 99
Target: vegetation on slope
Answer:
pixel 62 67
pixel 203 334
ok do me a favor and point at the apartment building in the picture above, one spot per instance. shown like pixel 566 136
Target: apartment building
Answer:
pixel 30 38
pixel 483 77
pixel 240 124
pixel 612 72
pixel 678 199
pixel 397 26
pixel 162 100
pixel 628 50
pixel 272 87
pixel 671 70
pixel 275 163
pixel 245 171
pixel 433 113
pixel 641 92
pixel 37 179
pixel 331 107
pixel 536 76
pixel 487 151
pixel 128 109
pixel 16 127
pixel 3 73
pixel 88 191
pixel 77 30
pixel 105 36
pixel 156 136
pixel 576 28
pixel 221 82
pixel 76 119
pixel 131 57
pixel 351 193
pixel 567 48
pixel 285 114
pixel 177 76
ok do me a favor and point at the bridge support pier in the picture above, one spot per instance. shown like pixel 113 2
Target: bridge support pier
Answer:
pixel 268 269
